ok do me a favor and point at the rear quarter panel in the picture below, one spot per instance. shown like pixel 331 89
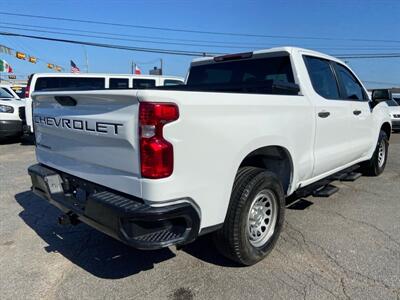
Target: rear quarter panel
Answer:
pixel 213 135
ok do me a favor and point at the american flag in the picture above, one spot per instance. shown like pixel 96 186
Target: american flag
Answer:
pixel 74 68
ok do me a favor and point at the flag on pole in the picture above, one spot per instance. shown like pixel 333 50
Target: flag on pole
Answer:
pixel 74 68
pixel 5 66
pixel 137 70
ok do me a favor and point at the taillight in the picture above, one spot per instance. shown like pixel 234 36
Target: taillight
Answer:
pixel 27 91
pixel 156 153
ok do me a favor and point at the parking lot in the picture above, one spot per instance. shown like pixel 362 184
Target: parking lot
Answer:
pixel 342 247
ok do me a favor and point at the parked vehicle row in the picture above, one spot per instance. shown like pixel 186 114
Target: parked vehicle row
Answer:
pixel 162 166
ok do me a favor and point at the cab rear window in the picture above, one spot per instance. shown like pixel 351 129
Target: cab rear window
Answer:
pixel 254 75
pixel 69 83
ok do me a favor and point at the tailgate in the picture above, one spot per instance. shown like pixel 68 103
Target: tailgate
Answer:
pixel 92 135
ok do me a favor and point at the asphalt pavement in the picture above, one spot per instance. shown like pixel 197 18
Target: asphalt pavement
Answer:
pixel 343 247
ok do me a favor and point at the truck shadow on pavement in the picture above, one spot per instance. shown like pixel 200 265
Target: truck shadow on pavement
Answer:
pixel 23 141
pixel 97 253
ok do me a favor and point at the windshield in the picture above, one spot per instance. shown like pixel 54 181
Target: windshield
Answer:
pixel 19 90
pixel 5 94
pixel 392 103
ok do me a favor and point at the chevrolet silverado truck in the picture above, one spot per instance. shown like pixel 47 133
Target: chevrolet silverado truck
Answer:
pixel 160 167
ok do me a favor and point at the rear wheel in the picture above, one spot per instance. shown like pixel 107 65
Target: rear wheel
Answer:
pixel 255 217
pixel 376 165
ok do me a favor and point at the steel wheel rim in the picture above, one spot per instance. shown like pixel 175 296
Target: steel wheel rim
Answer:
pixel 261 219
pixel 381 153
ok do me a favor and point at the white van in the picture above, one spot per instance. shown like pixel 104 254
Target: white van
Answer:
pixel 90 81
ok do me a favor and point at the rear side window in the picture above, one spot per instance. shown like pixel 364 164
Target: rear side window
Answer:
pixel 143 83
pixel 322 77
pixel 351 88
pixel 69 83
pixel 169 82
pixel 119 83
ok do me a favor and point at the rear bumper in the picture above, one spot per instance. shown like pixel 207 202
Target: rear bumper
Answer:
pixel 123 217
pixel 10 128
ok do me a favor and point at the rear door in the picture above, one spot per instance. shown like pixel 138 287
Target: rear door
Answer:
pixel 361 132
pixel 331 148
pixel 91 134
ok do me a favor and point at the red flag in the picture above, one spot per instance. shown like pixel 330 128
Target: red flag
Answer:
pixel 137 70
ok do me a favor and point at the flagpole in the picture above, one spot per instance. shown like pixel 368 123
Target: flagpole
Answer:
pixel 86 59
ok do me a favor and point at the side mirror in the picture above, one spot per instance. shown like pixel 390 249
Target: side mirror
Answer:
pixel 381 95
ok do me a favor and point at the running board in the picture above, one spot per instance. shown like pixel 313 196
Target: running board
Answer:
pixel 325 191
pixel 351 176
pixel 323 187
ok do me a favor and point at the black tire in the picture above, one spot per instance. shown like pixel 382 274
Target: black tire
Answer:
pixel 375 166
pixel 233 239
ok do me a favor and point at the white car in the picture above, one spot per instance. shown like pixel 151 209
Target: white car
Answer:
pixel 161 166
pixel 394 110
pixel 12 114
pixel 91 81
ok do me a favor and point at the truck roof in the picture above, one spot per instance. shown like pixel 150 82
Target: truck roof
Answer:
pixel 287 49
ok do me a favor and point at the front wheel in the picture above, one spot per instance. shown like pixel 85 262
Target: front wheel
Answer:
pixel 255 216
pixel 376 165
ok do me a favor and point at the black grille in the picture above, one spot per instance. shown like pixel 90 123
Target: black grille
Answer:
pixel 22 113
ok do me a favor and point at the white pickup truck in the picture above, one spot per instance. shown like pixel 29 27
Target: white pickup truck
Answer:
pixel 159 167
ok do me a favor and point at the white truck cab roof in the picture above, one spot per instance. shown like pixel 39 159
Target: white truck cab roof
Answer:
pixel 273 51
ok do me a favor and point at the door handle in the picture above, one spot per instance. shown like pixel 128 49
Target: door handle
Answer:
pixel 357 112
pixel 324 114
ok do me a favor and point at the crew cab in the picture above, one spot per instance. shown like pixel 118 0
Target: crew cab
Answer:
pixel 159 167
pixel 90 81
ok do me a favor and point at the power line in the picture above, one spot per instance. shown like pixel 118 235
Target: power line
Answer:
pixel 27 49
pixel 197 31
pixel 18 46
pixel 123 39
pixel 178 52
pixel 138 36
pixel 112 46
pixel 155 39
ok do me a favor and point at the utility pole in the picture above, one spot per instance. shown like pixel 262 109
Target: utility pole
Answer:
pixel 161 66
pixel 133 67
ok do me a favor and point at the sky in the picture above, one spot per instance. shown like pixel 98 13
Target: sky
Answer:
pixel 341 21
